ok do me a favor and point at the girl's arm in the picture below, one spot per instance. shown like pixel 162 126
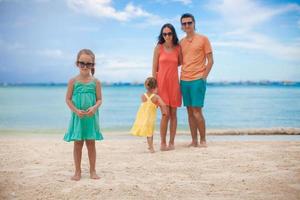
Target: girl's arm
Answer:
pixel 155 61
pixel 98 94
pixel 69 102
pixel 91 111
pixel 143 98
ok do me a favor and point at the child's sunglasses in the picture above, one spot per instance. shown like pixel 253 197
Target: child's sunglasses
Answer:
pixel 83 64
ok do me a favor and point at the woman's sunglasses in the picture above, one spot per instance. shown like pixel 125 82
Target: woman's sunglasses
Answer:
pixel 167 34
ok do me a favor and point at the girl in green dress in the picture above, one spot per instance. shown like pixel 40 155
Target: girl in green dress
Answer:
pixel 84 98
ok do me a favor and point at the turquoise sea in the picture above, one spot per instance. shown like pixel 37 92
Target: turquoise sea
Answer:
pixel 226 107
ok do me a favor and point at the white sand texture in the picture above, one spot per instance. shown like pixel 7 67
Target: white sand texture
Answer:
pixel 40 167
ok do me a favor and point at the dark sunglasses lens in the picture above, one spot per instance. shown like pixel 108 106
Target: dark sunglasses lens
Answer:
pixel 187 23
pixel 82 64
pixel 90 65
pixel 167 34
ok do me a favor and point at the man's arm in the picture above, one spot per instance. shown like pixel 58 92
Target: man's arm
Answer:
pixel 210 62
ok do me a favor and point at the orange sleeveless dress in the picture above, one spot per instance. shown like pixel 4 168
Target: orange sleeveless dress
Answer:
pixel 167 77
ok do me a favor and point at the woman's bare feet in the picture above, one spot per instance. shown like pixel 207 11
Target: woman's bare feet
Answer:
pixel 76 177
pixel 93 175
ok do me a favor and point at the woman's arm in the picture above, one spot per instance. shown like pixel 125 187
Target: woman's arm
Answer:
pixel 179 56
pixel 162 105
pixel 155 61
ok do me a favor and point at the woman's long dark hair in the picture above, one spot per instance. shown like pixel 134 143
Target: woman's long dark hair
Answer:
pixel 161 39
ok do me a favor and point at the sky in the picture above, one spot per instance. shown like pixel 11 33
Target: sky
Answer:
pixel 252 40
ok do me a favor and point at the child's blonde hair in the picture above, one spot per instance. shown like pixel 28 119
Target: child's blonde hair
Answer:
pixel 90 53
pixel 150 83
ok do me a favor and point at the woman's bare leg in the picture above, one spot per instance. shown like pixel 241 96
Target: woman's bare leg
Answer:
pixel 173 127
pixel 163 132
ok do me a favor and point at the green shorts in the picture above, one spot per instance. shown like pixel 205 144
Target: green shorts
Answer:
pixel 193 92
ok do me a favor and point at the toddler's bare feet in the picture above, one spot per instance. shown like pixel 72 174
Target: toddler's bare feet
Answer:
pixel 163 147
pixel 203 144
pixel 93 175
pixel 76 177
pixel 193 144
pixel 151 150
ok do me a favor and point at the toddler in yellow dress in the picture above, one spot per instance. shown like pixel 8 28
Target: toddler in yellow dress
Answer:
pixel 144 124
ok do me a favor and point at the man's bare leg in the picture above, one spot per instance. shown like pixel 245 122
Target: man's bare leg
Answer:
pixel 193 127
pixel 200 123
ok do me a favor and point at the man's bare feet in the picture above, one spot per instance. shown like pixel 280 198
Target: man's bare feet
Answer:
pixel 93 175
pixel 193 144
pixel 171 147
pixel 203 144
pixel 76 177
pixel 163 147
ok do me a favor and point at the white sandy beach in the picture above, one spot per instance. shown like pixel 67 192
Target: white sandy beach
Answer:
pixel 40 166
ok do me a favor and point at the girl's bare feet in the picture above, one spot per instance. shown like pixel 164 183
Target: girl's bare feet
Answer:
pixel 76 177
pixel 93 175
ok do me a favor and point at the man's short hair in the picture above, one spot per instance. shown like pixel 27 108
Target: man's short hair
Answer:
pixel 188 15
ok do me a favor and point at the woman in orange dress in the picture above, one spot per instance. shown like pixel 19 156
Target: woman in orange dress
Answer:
pixel 166 59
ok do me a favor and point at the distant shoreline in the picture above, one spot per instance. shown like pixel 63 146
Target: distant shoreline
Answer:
pixel 217 83
pixel 232 131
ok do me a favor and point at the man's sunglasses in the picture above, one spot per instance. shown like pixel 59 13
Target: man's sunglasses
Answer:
pixel 186 23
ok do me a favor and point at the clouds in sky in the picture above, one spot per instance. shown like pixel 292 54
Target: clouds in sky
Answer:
pixel 246 35
pixel 244 16
pixel 105 9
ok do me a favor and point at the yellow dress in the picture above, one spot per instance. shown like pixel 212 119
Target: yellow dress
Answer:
pixel 144 124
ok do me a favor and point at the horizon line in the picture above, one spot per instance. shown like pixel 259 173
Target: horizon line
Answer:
pixel 121 83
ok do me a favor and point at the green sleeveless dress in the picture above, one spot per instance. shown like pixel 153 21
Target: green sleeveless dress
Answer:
pixel 85 128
